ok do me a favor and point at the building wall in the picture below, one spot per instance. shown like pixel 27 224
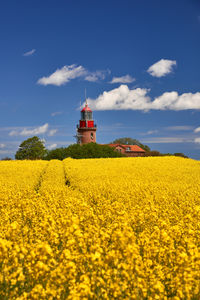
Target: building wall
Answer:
pixel 86 135
pixel 134 154
pixel 120 149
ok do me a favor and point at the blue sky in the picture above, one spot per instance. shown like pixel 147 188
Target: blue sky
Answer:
pixel 138 60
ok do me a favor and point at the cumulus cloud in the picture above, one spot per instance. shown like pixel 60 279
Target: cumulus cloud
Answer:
pixel 25 132
pixel 123 98
pixel 52 146
pixel 29 53
pixel 197 129
pixel 122 79
pixel 173 101
pixel 161 68
pixel 2 146
pixel 67 73
pixel 63 75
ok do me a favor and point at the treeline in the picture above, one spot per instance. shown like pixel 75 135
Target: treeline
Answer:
pixel 34 148
pixel 91 150
pixel 157 153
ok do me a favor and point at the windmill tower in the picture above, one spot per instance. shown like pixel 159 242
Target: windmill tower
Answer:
pixel 86 129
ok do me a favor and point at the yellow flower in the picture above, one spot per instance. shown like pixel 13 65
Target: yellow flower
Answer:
pixel 125 228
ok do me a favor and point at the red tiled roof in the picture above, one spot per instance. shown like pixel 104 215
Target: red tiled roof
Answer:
pixel 136 148
pixel 133 148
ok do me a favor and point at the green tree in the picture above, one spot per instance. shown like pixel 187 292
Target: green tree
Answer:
pixel 75 151
pixel 91 150
pixel 130 141
pixel 181 155
pixel 153 153
pixel 58 153
pixel 6 158
pixel 32 148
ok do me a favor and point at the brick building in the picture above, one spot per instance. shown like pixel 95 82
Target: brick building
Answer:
pixel 129 150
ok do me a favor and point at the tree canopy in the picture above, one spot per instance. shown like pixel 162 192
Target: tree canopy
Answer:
pixel 58 153
pixel 32 148
pixel 6 158
pixel 181 155
pixel 91 150
pixel 130 141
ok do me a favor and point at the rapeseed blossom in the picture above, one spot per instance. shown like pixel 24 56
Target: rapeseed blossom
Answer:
pixel 124 228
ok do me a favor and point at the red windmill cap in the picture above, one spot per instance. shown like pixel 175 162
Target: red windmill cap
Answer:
pixel 86 108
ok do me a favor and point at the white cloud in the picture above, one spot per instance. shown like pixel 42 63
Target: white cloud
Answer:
pixel 123 98
pixel 151 132
pixel 197 140
pixel 95 76
pixel 161 140
pixel 29 53
pixel 52 146
pixel 13 133
pixel 161 68
pixel 44 129
pixel 39 130
pixel 63 75
pixel 2 146
pixel 56 113
pixel 67 73
pixel 25 132
pixel 197 129
pixel 179 128
pixel 173 101
pixel 122 79
pixel 52 132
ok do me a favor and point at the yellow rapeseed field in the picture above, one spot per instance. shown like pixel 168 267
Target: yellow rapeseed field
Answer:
pixel 124 228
